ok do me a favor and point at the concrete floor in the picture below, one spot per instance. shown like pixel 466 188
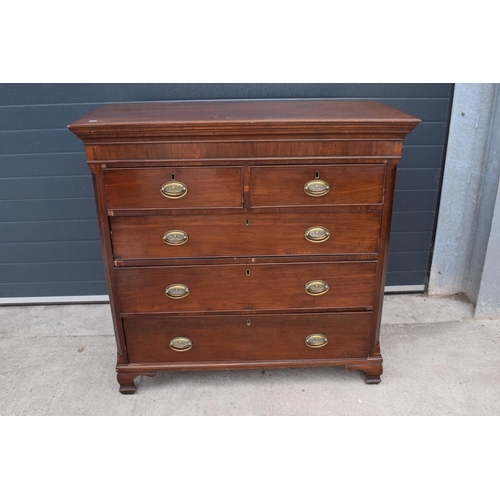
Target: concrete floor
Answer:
pixel 59 360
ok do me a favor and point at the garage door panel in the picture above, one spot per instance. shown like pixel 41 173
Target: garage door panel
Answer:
pixel 418 179
pixel 36 210
pixel 406 222
pixel 415 201
pixel 46 165
pixel 423 156
pixel 47 93
pixel 46 197
pixel 53 251
pixel 410 279
pixel 55 231
pixel 42 272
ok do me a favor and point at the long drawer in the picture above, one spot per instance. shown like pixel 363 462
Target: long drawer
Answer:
pixel 244 338
pixel 317 185
pixel 247 287
pixel 174 188
pixel 185 236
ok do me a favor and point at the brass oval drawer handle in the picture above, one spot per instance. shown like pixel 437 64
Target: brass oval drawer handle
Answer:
pixel 317 287
pixel 316 187
pixel 181 344
pixel 317 234
pixel 174 189
pixel 177 291
pixel 175 237
pixel 316 340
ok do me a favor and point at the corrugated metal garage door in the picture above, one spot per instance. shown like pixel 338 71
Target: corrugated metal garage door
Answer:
pixel 49 243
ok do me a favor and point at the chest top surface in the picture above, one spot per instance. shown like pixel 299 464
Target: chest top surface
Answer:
pixel 229 117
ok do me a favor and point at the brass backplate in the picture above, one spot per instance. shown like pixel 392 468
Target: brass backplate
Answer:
pixel 174 189
pixel 316 340
pixel 316 187
pixel 317 287
pixel 175 237
pixel 177 291
pixel 181 344
pixel 317 234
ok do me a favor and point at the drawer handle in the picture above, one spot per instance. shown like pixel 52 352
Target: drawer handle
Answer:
pixel 174 189
pixel 175 237
pixel 180 344
pixel 316 340
pixel 317 287
pixel 177 291
pixel 316 187
pixel 317 234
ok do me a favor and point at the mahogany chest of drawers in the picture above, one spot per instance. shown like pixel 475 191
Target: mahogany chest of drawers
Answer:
pixel 244 234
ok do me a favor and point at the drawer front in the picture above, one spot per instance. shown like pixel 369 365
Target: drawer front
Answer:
pixel 132 188
pixel 245 235
pixel 326 185
pixel 247 338
pixel 246 287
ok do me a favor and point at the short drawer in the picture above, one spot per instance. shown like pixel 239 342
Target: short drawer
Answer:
pixel 246 287
pixel 247 338
pixel 317 185
pixel 184 236
pixel 174 188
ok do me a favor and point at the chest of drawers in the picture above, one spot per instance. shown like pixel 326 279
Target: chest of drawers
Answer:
pixel 244 234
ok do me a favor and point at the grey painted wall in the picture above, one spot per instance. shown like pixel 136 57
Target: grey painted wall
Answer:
pixel 467 247
pixel 49 242
pixel 488 300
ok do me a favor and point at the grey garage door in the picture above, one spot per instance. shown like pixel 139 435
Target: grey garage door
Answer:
pixel 49 243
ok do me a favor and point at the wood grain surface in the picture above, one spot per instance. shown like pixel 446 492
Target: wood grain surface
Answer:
pixel 284 186
pixel 231 117
pixel 245 235
pixel 267 337
pixel 207 187
pixel 232 288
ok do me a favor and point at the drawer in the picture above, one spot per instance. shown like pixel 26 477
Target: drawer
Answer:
pixel 246 287
pixel 245 235
pixel 331 185
pixel 247 338
pixel 217 187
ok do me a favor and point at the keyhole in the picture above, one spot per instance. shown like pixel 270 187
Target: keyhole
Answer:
pixel 248 272
pixel 317 175
pixel 247 222
pixel 248 322
pixel 173 177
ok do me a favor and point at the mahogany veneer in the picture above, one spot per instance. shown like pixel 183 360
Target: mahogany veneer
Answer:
pixel 244 234
pixel 237 287
pixel 235 337
pixel 139 188
pixel 349 185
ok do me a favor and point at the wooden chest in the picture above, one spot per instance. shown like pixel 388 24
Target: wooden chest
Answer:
pixel 244 234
